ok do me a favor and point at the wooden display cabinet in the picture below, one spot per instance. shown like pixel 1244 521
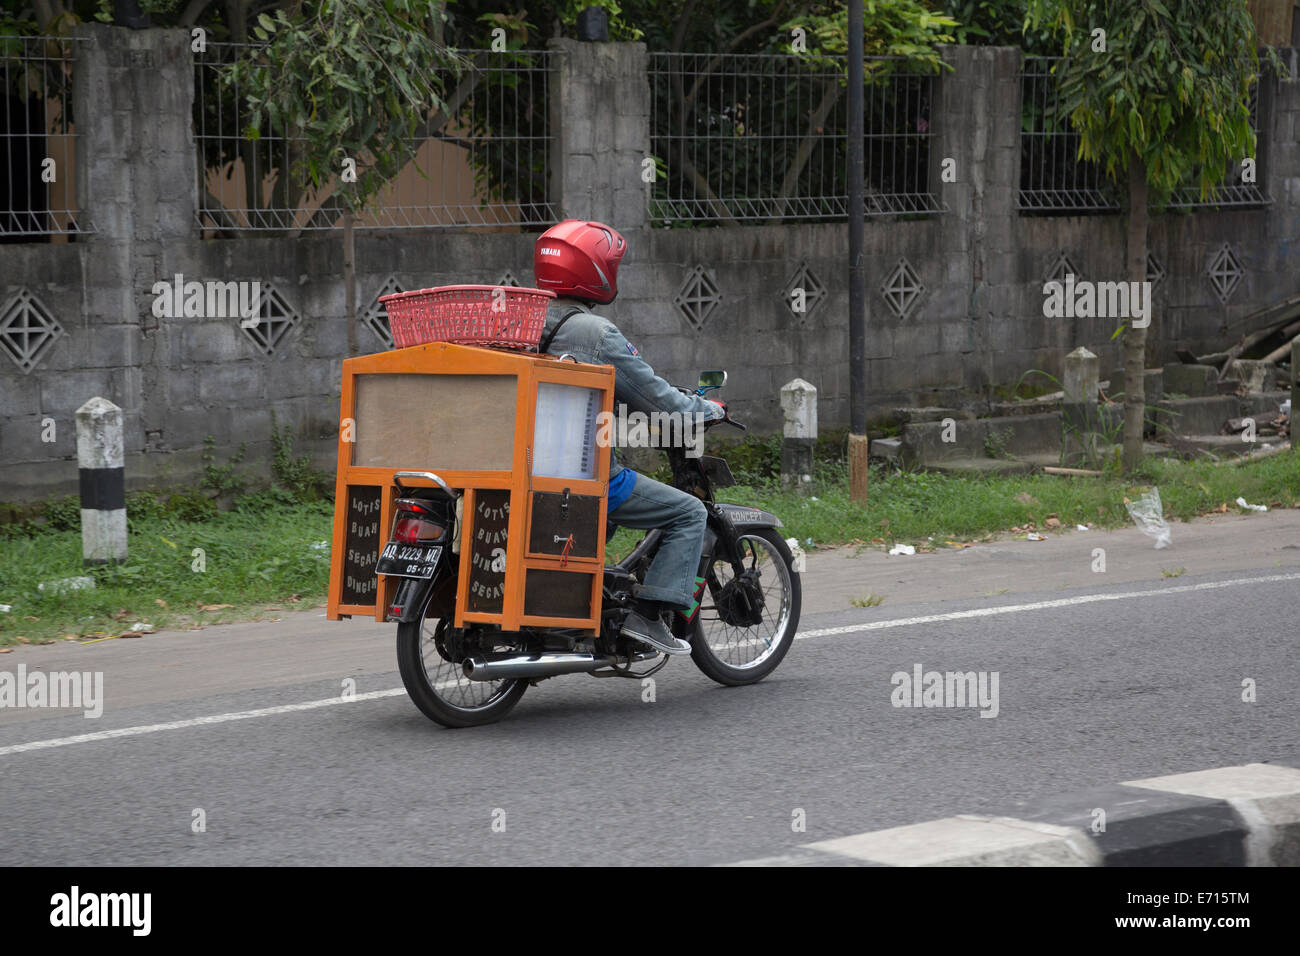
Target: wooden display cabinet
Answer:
pixel 516 432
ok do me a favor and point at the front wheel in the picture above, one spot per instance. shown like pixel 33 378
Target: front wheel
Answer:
pixel 746 624
pixel 428 652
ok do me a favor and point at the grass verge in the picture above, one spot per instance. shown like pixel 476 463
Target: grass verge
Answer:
pixel 180 573
pixel 931 510
pixel 263 557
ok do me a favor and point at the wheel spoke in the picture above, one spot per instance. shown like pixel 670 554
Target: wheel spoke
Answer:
pixel 448 681
pixel 747 647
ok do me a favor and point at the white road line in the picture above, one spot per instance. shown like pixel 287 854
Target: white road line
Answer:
pixel 819 632
pixel 194 722
pixel 1038 606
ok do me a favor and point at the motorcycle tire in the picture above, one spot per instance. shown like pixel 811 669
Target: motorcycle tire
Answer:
pixel 415 641
pixel 708 623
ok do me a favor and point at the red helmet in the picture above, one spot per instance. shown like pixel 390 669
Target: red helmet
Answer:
pixel 579 259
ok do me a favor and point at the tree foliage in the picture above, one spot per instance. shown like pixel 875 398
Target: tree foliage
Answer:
pixel 997 23
pixel 739 136
pixel 1159 94
pixel 904 29
pixel 352 81
pixel 1170 85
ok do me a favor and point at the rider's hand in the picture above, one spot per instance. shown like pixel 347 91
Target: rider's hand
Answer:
pixel 721 405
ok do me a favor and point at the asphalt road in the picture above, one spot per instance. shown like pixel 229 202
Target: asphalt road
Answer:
pixel 1146 680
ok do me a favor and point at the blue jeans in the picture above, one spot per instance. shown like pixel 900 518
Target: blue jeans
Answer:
pixel 682 518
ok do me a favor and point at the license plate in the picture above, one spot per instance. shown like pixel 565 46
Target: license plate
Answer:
pixel 409 560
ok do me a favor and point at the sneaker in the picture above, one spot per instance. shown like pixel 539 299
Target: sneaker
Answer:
pixel 653 632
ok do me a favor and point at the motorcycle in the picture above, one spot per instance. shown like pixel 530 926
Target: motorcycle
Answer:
pixel 746 612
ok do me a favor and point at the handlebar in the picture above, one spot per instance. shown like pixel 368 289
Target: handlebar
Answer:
pixel 728 420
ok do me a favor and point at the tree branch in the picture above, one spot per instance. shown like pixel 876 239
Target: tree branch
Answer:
pixel 830 97
pixel 680 28
pixel 739 39
pixel 686 102
pixel 702 185
pixel 192 11
pixel 453 105
pixel 237 20
pixel 212 206
pixel 46 11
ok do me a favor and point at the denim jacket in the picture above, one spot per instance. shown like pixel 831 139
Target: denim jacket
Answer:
pixel 594 339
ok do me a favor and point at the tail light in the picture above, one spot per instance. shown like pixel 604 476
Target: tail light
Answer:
pixel 418 521
pixel 411 530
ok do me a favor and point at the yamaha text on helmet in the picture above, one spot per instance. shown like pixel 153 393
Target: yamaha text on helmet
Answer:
pixel 579 259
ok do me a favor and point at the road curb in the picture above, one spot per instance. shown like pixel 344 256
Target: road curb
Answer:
pixel 1232 816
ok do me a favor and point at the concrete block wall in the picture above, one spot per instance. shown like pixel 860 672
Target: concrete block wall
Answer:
pixel 978 324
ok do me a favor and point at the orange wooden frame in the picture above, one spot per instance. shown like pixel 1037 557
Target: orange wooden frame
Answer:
pixel 529 370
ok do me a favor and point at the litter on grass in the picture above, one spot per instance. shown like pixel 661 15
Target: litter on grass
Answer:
pixel 1241 503
pixel 64 585
pixel 902 549
pixel 1149 515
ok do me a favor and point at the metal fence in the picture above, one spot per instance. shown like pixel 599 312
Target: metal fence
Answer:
pixel 37 139
pixel 485 161
pixel 1054 179
pixel 762 137
pixel 1234 190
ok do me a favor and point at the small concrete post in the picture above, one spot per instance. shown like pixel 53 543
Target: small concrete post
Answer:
pixel 1079 407
pixel 103 485
pixel 1081 368
pixel 799 406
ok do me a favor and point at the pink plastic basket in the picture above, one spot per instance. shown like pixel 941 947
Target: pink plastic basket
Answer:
pixel 505 317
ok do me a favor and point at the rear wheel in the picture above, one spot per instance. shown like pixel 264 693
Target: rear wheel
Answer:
pixel 429 653
pixel 745 627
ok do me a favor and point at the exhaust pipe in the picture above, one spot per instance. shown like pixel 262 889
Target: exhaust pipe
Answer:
pixel 532 665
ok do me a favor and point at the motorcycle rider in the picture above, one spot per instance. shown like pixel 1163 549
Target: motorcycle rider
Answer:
pixel 578 260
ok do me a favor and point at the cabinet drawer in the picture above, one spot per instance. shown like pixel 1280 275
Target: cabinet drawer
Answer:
pixel 557 515
pixel 557 593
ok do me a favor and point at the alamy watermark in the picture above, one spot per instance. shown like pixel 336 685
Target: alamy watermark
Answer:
pixel 1101 300
pixel 83 690
pixel 75 908
pixel 208 300
pixel 946 689
pixel 630 429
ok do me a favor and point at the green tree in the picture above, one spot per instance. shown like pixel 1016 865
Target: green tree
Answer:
pixel 1159 94
pixel 707 91
pixel 802 85
pixel 342 87
pixel 350 82
pixel 339 77
pixel 997 23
